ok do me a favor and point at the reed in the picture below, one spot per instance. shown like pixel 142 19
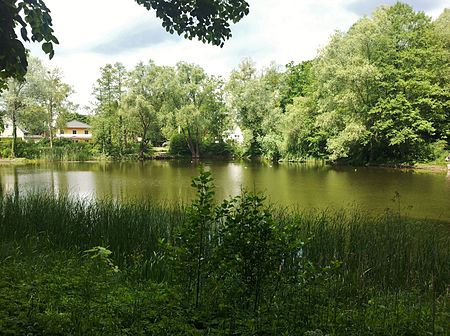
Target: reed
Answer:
pixel 388 251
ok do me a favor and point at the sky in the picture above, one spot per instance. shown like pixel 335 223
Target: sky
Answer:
pixel 93 33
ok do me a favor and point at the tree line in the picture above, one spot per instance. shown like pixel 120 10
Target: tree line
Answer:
pixel 376 93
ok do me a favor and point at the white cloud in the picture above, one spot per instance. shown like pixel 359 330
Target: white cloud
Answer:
pixel 280 31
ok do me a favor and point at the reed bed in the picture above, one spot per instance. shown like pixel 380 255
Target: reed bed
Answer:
pixel 388 251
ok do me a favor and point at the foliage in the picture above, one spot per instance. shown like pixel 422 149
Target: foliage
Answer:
pixel 103 255
pixel 63 150
pixel 26 14
pixel 178 145
pixel 252 100
pixel 199 109
pixel 376 93
pixel 193 240
pixel 296 80
pixel 208 20
pixel 110 133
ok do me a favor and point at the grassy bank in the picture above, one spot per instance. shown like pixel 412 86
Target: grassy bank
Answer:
pixel 238 268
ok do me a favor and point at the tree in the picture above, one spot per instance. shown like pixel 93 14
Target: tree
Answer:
pixel 380 91
pixel 253 99
pixel 199 105
pixel 110 131
pixel 207 20
pixel 295 82
pixel 24 101
pixel 149 98
pixel 48 91
pixel 13 101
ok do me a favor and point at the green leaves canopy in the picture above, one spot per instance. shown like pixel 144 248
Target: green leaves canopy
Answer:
pixel 207 20
pixel 27 14
pixel 379 91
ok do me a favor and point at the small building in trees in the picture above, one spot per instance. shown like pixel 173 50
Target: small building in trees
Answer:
pixel 21 133
pixel 77 131
pixel 234 134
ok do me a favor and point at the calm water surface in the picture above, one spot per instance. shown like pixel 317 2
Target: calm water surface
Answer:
pixel 301 185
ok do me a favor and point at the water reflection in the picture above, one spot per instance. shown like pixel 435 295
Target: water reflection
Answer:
pixel 302 185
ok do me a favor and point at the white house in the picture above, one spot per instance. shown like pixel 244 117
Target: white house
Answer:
pixel 234 135
pixel 20 132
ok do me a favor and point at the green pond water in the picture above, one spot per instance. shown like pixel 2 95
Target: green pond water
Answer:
pixel 306 186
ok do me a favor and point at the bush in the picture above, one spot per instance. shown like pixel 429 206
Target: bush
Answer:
pixel 437 151
pixel 178 146
pixel 28 150
pixel 211 148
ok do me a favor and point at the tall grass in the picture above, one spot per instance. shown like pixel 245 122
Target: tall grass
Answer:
pixel 386 251
pixel 73 152
pixel 66 223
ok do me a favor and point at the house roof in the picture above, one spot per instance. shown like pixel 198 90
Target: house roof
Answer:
pixel 77 124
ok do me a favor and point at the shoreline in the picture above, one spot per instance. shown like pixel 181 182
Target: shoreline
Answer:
pixel 418 167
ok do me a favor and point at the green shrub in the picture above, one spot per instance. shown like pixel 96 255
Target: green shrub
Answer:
pixel 216 149
pixel 178 145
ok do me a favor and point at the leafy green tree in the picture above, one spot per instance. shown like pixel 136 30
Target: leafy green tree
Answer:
pixel 33 118
pixel 35 103
pixel 252 99
pixel 302 137
pixel 13 105
pixel 380 91
pixel 109 128
pixel 48 90
pixel 148 100
pixel 295 82
pixel 199 106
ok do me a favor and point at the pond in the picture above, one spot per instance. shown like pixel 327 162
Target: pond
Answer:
pixel 306 186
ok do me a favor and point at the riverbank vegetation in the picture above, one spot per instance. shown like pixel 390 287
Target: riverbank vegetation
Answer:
pixel 376 94
pixel 240 267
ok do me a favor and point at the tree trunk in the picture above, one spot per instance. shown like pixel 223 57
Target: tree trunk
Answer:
pixel 189 142
pixel 50 121
pixel 121 136
pixel 143 145
pixel 197 146
pixel 14 133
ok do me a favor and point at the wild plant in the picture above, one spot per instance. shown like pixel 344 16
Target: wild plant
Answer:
pixel 193 241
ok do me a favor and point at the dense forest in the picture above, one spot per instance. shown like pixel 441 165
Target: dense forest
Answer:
pixel 378 93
